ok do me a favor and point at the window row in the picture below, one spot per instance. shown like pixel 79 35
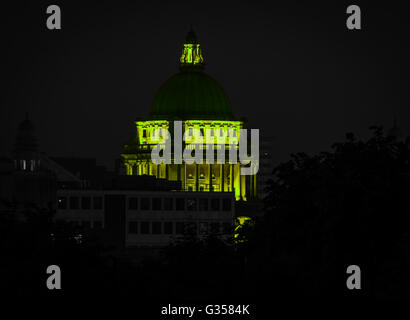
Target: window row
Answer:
pixel 86 224
pixel 147 203
pixel 178 228
pixel 179 204
pixel 75 202
pixel 212 131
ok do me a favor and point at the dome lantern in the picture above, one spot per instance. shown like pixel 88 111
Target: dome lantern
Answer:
pixel 191 57
pixel 191 93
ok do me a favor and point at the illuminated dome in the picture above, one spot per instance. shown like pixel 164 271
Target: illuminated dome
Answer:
pixel 199 103
pixel 191 94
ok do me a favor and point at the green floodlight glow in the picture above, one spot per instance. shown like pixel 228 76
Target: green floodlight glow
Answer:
pixel 242 226
pixel 225 132
pixel 222 133
pixel 191 55
pixel 191 52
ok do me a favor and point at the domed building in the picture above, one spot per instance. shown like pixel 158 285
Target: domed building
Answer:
pixel 26 155
pixel 31 183
pixel 198 103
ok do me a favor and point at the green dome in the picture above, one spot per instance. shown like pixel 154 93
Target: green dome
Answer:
pixel 191 95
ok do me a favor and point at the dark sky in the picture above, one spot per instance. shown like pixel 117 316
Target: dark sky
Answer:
pixel 294 70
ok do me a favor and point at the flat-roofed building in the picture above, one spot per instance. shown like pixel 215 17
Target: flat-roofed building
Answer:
pixel 134 218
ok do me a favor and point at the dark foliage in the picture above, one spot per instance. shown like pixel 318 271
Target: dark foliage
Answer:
pixel 334 209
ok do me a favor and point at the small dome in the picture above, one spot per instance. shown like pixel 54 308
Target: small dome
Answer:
pixel 191 95
pixel 26 141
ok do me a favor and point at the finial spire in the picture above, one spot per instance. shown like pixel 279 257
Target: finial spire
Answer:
pixel 191 57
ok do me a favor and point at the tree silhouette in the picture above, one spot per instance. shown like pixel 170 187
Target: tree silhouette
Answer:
pixel 347 206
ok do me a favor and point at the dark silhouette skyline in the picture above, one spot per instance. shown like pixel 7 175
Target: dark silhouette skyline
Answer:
pixel 294 71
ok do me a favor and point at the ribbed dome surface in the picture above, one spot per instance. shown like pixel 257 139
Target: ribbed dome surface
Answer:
pixel 191 95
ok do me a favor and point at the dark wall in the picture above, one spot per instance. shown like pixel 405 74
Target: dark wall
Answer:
pixel 114 217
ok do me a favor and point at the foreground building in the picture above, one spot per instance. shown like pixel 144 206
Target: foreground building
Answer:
pixel 133 218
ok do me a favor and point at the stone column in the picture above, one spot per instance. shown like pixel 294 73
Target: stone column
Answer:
pixel 251 186
pixel 221 178
pixel 196 177
pixel 231 176
pixel 255 185
pixel 243 185
pixel 210 177
pixel 184 178
pixel 127 169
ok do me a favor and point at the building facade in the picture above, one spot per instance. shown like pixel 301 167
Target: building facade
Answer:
pixel 188 105
pixel 133 218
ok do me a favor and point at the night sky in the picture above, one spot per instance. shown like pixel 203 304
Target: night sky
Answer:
pixel 294 70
